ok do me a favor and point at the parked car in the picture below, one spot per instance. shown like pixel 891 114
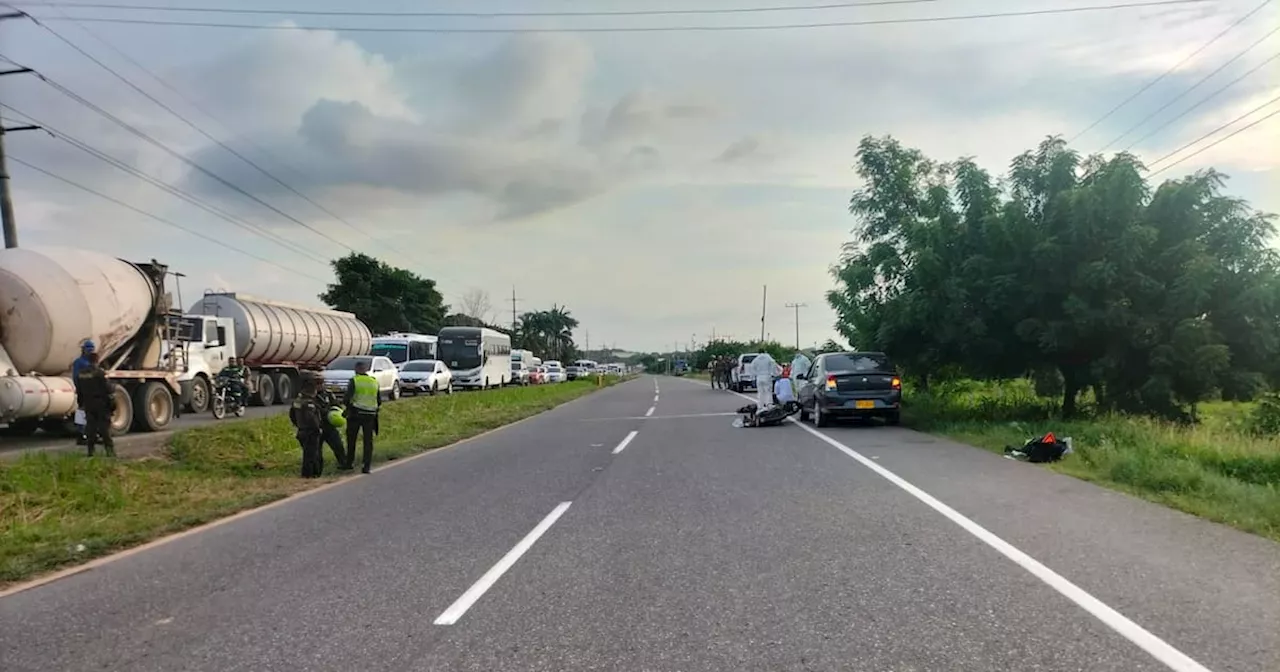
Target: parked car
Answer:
pixel 848 385
pixel 341 370
pixel 555 372
pixel 519 373
pixel 426 375
pixel 537 375
pixel 742 379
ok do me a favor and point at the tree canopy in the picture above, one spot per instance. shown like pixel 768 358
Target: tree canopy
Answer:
pixel 384 297
pixel 549 333
pixel 1155 298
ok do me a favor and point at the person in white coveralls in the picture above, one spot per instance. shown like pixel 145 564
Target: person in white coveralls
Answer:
pixel 765 369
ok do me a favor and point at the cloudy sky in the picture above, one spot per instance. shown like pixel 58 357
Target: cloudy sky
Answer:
pixel 650 181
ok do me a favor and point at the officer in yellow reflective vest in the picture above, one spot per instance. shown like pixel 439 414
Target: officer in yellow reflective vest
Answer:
pixel 363 399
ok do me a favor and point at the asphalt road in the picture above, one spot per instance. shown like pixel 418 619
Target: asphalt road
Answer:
pixel 606 536
pixel 14 447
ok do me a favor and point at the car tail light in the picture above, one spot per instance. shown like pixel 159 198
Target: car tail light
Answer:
pixel 896 383
pixel 831 382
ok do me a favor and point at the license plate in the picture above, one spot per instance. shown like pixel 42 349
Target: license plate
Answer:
pixel 864 404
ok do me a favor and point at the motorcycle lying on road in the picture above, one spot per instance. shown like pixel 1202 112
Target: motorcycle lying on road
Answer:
pixel 224 400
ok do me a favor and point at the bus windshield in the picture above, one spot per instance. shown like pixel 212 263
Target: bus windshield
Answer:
pixel 460 353
pixel 396 352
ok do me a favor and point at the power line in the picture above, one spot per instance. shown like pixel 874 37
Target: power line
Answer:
pixel 478 15
pixel 206 134
pixel 160 219
pixel 640 29
pixel 1219 141
pixel 1168 72
pixel 205 112
pixel 157 182
pixel 1206 135
pixel 1204 100
pixel 1193 87
pixel 160 145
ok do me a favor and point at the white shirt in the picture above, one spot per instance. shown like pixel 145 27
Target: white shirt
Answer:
pixel 800 366
pixel 782 390
pixel 763 366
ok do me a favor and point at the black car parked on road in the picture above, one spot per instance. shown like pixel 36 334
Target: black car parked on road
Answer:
pixel 851 385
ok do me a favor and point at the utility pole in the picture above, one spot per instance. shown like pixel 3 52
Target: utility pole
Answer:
pixel 514 321
pixel 764 304
pixel 7 218
pixel 797 307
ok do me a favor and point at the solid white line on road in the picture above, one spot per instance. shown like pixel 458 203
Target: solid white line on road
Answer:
pixel 478 589
pixel 1158 648
pixel 650 411
pixel 625 441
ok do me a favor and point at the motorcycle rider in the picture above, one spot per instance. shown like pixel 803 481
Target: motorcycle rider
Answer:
pixel 237 379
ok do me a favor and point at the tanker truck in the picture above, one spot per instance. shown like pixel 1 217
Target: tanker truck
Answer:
pixel 51 301
pixel 275 341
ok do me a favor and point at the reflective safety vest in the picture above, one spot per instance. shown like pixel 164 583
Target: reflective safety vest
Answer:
pixel 365 397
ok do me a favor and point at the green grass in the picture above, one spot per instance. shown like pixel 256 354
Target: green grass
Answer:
pixel 59 510
pixel 1216 469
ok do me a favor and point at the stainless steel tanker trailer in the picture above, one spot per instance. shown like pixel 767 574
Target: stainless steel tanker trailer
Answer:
pixel 276 341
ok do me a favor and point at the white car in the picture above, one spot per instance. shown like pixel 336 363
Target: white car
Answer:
pixel 555 372
pixel 743 379
pixel 426 375
pixel 519 373
pixel 340 371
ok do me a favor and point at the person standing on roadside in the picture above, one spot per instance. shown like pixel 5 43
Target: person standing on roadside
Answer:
pixel 93 392
pixel 363 401
pixel 305 414
pixel 331 435
pixel 81 363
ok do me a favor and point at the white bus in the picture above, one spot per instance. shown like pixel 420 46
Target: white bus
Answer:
pixel 401 348
pixel 478 357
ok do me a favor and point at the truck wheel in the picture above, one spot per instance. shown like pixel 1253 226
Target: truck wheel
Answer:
pixel 121 410
pixel 23 427
pixel 284 388
pixel 266 393
pixel 199 402
pixel 152 406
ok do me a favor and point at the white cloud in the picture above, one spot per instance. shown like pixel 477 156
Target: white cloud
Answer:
pixel 651 182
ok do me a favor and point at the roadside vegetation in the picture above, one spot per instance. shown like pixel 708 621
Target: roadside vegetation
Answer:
pixel 1225 468
pixel 58 510
pixel 1140 318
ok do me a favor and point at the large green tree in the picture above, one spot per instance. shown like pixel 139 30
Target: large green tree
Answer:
pixel 384 297
pixel 548 333
pixel 1156 298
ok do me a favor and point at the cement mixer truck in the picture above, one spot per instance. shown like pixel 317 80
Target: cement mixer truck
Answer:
pixel 54 299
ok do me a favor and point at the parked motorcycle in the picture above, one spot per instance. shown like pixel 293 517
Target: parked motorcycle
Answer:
pixel 224 400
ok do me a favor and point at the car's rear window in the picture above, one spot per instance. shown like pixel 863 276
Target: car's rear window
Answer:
pixel 861 362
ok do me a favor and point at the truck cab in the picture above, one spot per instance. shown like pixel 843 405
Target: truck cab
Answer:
pixel 205 343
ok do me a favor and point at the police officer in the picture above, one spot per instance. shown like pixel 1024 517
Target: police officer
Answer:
pixel 305 415
pixel 327 402
pixel 81 363
pixel 363 400
pixel 93 392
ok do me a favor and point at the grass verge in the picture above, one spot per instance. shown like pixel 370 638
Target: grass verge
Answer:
pixel 57 509
pixel 1216 470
